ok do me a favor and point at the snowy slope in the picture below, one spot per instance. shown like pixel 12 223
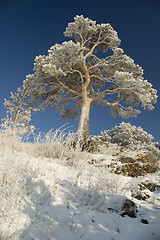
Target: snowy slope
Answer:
pixel 48 198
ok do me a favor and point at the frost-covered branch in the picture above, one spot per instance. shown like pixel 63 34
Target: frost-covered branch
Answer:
pixel 69 89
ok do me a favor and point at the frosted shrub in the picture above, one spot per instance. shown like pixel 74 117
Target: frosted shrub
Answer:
pixel 100 192
pixel 18 132
pixel 15 184
pixel 9 144
pixel 131 137
pixel 50 144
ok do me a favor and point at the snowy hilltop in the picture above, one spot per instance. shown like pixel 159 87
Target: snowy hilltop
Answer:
pixel 50 190
pixel 59 185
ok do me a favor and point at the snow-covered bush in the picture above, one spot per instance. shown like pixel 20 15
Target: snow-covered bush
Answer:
pixel 131 137
pixel 100 192
pixel 15 184
pixel 18 112
pixel 50 144
pixel 18 131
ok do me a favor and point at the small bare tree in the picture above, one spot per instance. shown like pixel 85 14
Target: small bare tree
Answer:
pixel 75 74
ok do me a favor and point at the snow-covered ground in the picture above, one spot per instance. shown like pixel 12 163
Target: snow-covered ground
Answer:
pixel 65 197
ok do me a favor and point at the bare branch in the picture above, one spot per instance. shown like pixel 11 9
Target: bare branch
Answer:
pixel 92 49
pixel 94 46
pixel 94 66
pixel 86 84
pixel 80 37
pixel 106 102
pixel 69 89
pixel 92 55
pixel 76 107
pixel 79 72
pixel 96 76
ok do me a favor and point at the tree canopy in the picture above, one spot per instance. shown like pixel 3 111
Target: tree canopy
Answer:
pixel 75 75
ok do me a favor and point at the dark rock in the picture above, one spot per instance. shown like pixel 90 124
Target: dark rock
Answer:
pixel 152 186
pixel 142 165
pixel 112 209
pixel 93 144
pixel 141 196
pixel 157 188
pixel 126 160
pixel 144 221
pixel 129 208
pixel 142 192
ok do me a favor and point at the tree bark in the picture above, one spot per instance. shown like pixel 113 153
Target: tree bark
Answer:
pixel 83 128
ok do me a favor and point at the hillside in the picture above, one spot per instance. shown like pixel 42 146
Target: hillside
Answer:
pixel 50 191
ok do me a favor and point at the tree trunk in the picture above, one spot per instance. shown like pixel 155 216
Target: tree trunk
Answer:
pixel 83 128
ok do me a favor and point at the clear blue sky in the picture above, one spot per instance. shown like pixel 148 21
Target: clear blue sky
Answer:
pixel 30 27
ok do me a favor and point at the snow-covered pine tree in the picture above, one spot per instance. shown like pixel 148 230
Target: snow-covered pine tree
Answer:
pixel 73 76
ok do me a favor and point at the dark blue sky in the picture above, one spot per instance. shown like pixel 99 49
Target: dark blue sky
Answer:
pixel 30 27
